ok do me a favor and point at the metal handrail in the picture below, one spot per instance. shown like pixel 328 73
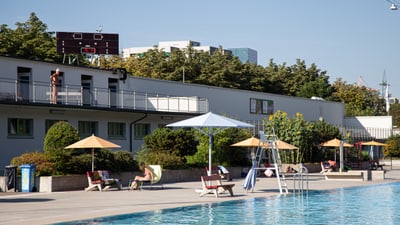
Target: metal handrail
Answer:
pixel 40 92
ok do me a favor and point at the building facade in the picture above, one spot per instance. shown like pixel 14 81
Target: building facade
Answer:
pixel 120 108
pixel 245 54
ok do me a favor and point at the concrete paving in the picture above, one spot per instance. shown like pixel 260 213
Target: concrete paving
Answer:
pixel 46 208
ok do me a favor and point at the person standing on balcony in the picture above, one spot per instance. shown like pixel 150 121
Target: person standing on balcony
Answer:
pixel 54 82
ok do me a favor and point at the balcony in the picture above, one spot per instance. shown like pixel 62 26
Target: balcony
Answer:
pixel 17 91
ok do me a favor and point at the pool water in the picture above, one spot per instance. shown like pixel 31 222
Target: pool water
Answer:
pixel 373 204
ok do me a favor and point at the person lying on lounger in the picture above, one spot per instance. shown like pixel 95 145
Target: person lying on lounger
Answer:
pixel 147 176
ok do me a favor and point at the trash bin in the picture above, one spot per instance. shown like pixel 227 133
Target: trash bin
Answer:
pixel 27 177
pixel 10 174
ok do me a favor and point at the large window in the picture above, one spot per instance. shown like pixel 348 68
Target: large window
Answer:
pixel 49 123
pixel 141 130
pixel 18 127
pixel 116 130
pixel 87 128
pixel 261 106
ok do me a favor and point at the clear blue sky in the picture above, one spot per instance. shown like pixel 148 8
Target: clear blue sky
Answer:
pixel 346 38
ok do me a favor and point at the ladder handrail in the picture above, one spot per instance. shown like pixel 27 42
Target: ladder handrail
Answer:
pixel 272 142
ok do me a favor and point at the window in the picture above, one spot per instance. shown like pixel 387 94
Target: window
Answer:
pixel 141 130
pixel 116 130
pixel 87 128
pixel 18 127
pixel 49 123
pixel 162 125
pixel 261 106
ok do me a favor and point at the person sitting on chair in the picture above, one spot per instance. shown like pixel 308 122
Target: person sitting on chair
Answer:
pixel 147 176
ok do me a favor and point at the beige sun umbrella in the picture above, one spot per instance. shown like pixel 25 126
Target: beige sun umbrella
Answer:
pixel 339 144
pixel 255 142
pixel 284 145
pixel 335 143
pixel 373 143
pixel 93 142
pixel 249 142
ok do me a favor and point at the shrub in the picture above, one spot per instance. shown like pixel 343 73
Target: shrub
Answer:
pixel 168 148
pixel 59 136
pixel 43 166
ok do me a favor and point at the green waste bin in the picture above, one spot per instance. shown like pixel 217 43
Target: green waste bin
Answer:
pixel 27 177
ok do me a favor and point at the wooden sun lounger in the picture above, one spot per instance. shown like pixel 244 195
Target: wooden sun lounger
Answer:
pixel 214 184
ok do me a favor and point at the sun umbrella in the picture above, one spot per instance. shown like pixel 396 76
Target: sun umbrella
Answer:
pixel 206 123
pixel 250 180
pixel 338 143
pixel 249 142
pixel 93 142
pixel 372 144
pixel 335 143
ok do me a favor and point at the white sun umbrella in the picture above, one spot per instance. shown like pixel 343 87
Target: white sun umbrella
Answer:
pixel 206 123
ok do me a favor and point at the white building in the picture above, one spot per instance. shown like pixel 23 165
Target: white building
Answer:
pixel 122 109
pixel 168 47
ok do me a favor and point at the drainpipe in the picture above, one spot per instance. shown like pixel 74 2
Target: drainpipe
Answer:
pixel 131 129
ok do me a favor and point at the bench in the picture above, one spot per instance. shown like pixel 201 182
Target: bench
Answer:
pixel 349 175
pixel 214 184
pixel 68 95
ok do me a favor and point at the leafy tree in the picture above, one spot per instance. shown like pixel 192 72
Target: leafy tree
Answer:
pixel 29 40
pixel 359 101
pixel 393 146
pixel 298 132
pixel 168 147
pixel 394 111
pixel 222 151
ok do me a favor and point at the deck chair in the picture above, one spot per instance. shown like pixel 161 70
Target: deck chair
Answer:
pixel 214 184
pixel 108 181
pixel 157 174
pixel 94 180
pixel 220 170
pixel 326 167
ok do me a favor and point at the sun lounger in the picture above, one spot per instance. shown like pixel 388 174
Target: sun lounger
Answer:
pixel 214 184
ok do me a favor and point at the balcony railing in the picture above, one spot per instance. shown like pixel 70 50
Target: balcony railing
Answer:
pixel 39 92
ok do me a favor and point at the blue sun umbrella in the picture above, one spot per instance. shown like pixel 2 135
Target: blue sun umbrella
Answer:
pixel 250 180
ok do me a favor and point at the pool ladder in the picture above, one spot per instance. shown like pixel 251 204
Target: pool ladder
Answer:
pixel 300 181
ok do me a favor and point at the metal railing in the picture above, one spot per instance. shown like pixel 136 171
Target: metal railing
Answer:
pixel 40 92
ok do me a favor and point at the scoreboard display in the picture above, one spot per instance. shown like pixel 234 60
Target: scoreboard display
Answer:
pixel 87 43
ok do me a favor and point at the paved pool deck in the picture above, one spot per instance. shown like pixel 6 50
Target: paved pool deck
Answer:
pixel 47 208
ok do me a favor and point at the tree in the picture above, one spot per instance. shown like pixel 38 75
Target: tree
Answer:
pixel 168 147
pixel 59 136
pixel 29 40
pixel 222 151
pixel 358 100
pixel 395 112
pixel 393 146
pixel 305 135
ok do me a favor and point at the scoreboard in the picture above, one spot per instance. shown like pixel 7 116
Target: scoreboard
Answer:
pixel 87 43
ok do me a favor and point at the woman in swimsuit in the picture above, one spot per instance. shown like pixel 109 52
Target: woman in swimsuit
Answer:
pixel 147 176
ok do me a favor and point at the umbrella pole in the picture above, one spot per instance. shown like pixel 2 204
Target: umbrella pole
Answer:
pixel 92 159
pixel 210 143
pixel 341 157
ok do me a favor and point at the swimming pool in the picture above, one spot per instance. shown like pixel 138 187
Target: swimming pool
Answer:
pixel 374 204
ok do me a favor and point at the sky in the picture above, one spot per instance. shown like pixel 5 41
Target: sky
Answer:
pixel 349 39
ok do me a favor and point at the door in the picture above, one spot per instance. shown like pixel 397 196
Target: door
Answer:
pixel 24 80
pixel 86 82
